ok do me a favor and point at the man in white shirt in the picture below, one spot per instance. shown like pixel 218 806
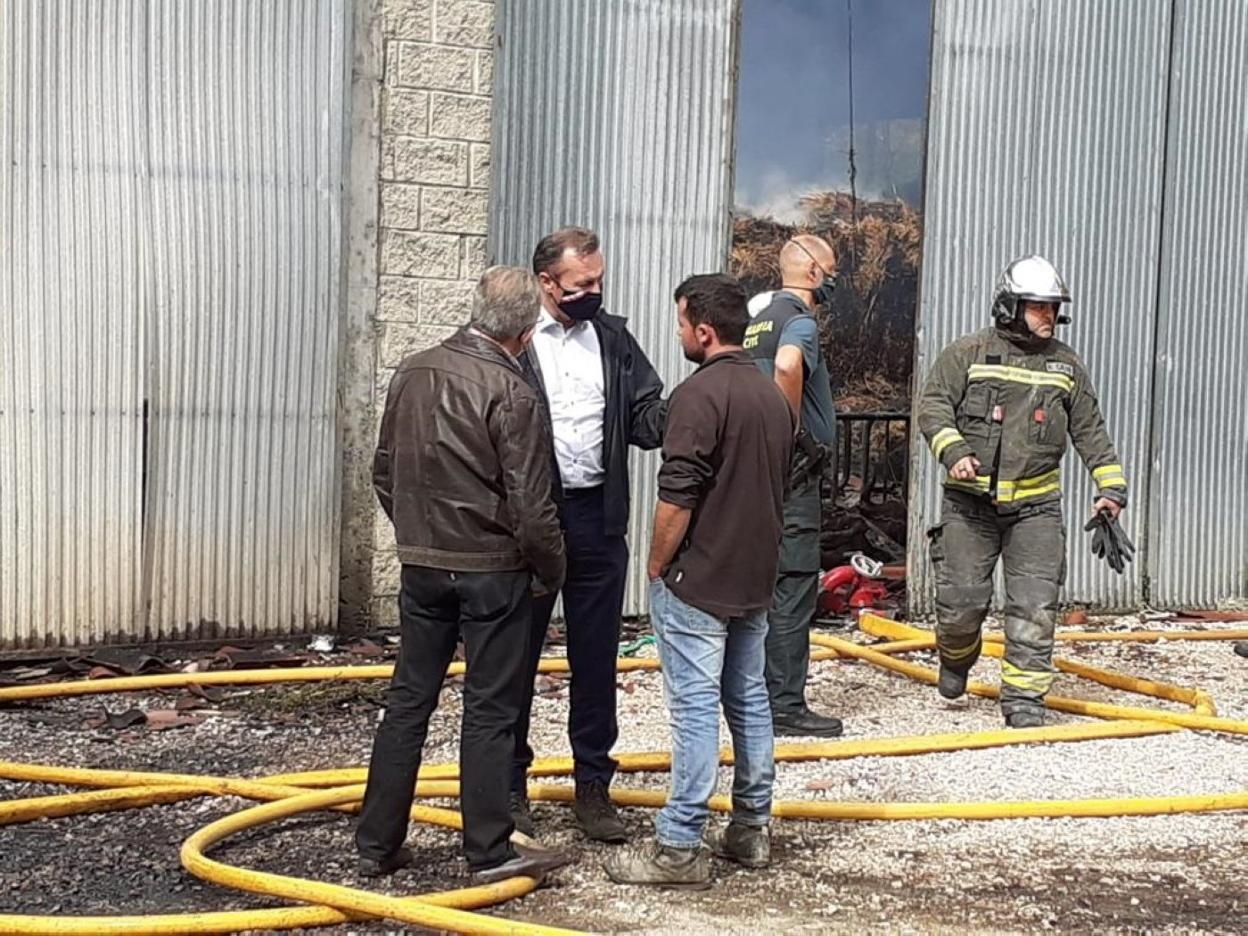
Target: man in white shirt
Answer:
pixel 601 395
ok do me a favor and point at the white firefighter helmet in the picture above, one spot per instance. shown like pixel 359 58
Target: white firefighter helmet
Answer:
pixel 1029 279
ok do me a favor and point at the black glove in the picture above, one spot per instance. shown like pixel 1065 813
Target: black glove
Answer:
pixel 809 457
pixel 1109 542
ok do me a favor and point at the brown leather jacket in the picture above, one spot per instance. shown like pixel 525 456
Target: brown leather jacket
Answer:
pixel 462 466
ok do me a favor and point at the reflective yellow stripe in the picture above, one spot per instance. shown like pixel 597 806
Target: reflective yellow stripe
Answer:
pixel 1020 375
pixel 1023 488
pixel 1108 476
pixel 979 486
pixel 954 655
pixel 1028 680
pixel 1010 491
pixel 1008 497
pixel 945 438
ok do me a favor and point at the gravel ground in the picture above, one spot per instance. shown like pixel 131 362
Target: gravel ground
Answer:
pixel 1171 874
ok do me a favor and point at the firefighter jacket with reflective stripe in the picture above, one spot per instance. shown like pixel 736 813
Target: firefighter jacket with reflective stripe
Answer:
pixel 1012 404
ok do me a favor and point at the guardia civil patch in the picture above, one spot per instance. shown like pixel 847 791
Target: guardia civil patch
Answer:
pixel 1059 367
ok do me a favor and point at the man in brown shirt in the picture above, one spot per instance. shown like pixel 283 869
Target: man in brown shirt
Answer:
pixel 713 559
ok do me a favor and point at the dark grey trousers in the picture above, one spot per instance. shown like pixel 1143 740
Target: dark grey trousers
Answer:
pixel 794 600
pixel 1031 544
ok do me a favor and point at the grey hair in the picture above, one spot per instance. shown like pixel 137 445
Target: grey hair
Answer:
pixel 506 302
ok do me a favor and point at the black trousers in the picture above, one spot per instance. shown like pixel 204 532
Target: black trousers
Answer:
pixel 794 601
pixel 492 612
pixel 593 599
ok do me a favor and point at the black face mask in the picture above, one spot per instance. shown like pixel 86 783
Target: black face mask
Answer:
pixel 823 293
pixel 582 308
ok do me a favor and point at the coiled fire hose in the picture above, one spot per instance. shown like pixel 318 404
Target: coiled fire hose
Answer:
pixel 323 904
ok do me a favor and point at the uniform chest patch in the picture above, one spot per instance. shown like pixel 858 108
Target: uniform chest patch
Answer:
pixel 1059 367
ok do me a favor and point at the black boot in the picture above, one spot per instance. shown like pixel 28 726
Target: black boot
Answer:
pixel 1242 648
pixel 596 814
pixel 1025 718
pixel 952 683
pixel 521 817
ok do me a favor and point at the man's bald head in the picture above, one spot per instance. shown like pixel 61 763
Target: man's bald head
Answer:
pixel 800 252
pixel 807 265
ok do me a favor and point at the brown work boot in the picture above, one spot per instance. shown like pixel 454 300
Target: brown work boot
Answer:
pixel 596 814
pixel 521 816
pixel 748 846
pixel 660 866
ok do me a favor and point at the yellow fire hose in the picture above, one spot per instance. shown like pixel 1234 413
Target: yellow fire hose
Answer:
pixel 906 638
pixel 260 677
pixel 342 789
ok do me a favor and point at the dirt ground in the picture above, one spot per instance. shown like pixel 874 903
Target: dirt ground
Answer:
pixel 1168 874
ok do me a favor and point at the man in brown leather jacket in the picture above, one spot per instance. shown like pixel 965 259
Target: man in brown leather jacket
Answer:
pixel 462 469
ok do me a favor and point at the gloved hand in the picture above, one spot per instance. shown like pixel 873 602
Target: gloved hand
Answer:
pixel 1109 542
pixel 809 457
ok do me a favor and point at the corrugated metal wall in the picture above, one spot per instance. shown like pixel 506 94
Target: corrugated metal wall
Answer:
pixel 1047 134
pixel 72 319
pixel 172 231
pixel 617 115
pixel 1198 504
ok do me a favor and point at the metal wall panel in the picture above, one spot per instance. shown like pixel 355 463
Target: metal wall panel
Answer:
pixel 172 237
pixel 71 321
pixel 1198 504
pixel 617 115
pixel 1046 134
pixel 246 115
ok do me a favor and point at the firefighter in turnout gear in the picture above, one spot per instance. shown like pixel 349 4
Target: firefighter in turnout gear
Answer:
pixel 996 410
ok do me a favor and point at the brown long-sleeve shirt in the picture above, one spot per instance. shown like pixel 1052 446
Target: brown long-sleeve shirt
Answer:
pixel 726 454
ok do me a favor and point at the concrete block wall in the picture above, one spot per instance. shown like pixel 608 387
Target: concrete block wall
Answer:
pixel 433 188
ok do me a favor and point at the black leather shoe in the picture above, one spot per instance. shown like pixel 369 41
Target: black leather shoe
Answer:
pixel 805 724
pixel 521 817
pixel 529 862
pixel 1242 648
pixel 596 813
pixel 373 869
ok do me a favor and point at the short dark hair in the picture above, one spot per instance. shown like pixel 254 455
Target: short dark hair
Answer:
pixel 550 249
pixel 717 300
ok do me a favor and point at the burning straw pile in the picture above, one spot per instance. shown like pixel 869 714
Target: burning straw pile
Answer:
pixel 869 337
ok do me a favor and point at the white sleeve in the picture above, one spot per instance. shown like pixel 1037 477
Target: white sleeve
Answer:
pixel 759 302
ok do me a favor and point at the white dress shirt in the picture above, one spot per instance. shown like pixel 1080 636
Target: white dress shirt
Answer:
pixel 571 363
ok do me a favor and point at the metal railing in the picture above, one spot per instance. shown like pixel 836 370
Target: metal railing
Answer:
pixel 873 454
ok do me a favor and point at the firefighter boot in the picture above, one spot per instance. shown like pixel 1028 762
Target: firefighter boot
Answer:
pixel 952 683
pixel 1025 718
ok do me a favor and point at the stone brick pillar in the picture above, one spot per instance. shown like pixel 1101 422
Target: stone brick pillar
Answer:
pixel 434 191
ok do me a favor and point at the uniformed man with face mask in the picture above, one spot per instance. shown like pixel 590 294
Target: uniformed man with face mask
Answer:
pixel 996 410
pixel 784 341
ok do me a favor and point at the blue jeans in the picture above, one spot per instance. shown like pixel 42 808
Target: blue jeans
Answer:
pixel 707 660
